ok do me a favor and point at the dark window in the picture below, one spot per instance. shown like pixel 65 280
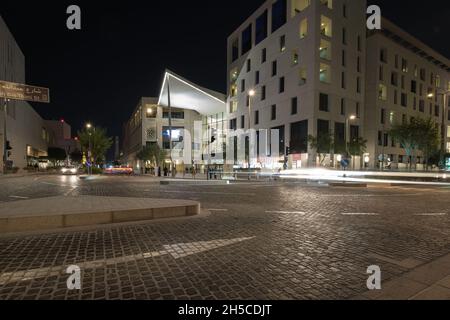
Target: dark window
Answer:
pixel 282 43
pixel 343 58
pixel 344 36
pixel 249 65
pixel 386 140
pixel 436 111
pixel 394 79
pixel 404 100
pixel 342 107
pixel 299 137
pixel 235 50
pixel 256 77
pixel 358 110
pixel 422 106
pixel 256 117
pixel 273 112
pixel 242 122
pixel 413 86
pixel 247 39
pixel 294 106
pixel 323 129
pixel 448 115
pixel 263 93
pixel 279 14
pixel 339 137
pixel 323 102
pixel 174 115
pixel 281 87
pixel 274 68
pixel 380 138
pixel 233 124
pixel 354 133
pixel 263 55
pixel 383 55
pixel 261 27
pixel 242 85
pixel 344 10
pixel 383 116
pixel 343 80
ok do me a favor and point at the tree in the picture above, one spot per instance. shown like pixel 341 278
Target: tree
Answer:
pixel 100 143
pixel 357 147
pixel 152 153
pixel 56 154
pixel 417 135
pixel 323 144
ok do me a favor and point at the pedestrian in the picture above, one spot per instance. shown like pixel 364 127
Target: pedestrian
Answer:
pixel 165 171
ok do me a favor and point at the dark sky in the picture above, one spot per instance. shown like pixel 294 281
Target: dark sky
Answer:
pixel 98 74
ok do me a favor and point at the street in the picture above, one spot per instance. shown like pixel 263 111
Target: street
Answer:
pixel 257 240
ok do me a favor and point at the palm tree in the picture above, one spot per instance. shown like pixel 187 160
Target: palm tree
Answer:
pixel 357 147
pixel 323 144
pixel 97 140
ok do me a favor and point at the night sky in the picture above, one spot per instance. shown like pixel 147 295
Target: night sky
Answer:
pixel 98 74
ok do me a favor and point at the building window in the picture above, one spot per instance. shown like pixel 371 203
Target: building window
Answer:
pixel 381 73
pixel 359 43
pixel 302 76
pixel 261 27
pixel 233 106
pixel 395 97
pixel 343 107
pixel 246 40
pixel 294 106
pixel 358 110
pixel 235 50
pixel 344 36
pixel 323 102
pixel 358 64
pixel 423 74
pixel 344 58
pixel 279 14
pixel 304 28
pixel 256 117
pixel 404 65
pixel 437 111
pixel 263 55
pixel 422 105
pixel 273 113
pixel 383 55
pixel 243 85
pixel 281 85
pixel 414 86
pixel 283 43
pixel 343 80
pixel 382 92
pixel 295 57
pixel 263 93
pixel 256 77
pixel 233 124
pixel 383 116
pixel 358 85
pixel 274 68
pixel 325 50
pixel 249 65
pixel 299 5
pixel 404 100
pixel 326 26
pixel 344 10
pixel 394 79
pixel 325 73
pixel 242 122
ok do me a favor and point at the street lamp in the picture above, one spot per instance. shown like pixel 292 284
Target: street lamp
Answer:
pixel 347 131
pixel 89 127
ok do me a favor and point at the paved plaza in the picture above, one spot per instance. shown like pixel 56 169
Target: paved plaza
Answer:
pixel 259 240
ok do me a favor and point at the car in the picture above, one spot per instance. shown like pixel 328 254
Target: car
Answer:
pixel 119 170
pixel 69 170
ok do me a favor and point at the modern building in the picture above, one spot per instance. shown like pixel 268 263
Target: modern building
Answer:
pixel 60 136
pixel 21 127
pixel 192 108
pixel 311 68
pixel 405 79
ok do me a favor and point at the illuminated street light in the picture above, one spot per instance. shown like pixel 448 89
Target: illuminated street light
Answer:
pixel 252 93
pixel 88 125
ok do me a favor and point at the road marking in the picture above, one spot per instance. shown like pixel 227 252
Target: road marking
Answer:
pixel 176 251
pixel 431 214
pixel 359 214
pixel 18 197
pixel 288 212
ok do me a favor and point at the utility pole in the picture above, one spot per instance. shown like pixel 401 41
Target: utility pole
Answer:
pixel 5 140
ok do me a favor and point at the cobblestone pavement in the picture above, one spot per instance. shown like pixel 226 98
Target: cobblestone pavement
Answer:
pixel 262 240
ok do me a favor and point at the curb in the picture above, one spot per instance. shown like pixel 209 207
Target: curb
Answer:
pixel 83 219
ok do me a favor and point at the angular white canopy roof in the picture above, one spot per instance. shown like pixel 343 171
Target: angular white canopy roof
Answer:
pixel 187 95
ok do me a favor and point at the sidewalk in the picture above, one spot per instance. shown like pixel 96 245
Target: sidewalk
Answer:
pixel 65 212
pixel 427 282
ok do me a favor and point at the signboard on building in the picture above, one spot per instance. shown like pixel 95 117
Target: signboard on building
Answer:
pixel 23 92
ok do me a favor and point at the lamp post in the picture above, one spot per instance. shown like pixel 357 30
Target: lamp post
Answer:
pixel 444 94
pixel 251 94
pixel 347 131
pixel 89 127
pixel 5 140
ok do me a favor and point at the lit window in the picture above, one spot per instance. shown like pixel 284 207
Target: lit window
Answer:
pixel 303 28
pixel 303 76
pixel 299 5
pixel 325 50
pixel 382 92
pixel 326 26
pixel 325 73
